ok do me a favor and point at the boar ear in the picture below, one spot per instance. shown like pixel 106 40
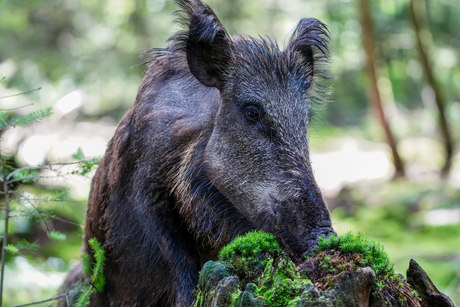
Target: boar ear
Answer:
pixel 309 46
pixel 207 44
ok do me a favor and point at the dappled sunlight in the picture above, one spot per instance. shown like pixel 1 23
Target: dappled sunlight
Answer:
pixel 441 217
pixel 349 162
pixel 34 149
pixel 454 176
pixel 56 142
pixel 68 103
pixel 29 282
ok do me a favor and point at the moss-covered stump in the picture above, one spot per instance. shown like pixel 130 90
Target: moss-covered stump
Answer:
pixel 348 270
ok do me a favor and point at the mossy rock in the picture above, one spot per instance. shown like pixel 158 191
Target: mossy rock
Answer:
pixel 348 270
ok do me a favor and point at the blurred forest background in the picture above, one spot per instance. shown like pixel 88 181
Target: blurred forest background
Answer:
pixel 385 156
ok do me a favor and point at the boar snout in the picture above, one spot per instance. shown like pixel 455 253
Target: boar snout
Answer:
pixel 300 223
pixel 303 243
pixel 312 241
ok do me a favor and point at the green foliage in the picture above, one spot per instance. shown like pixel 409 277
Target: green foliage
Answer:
pixel 86 165
pixel 86 262
pixel 97 279
pixel 374 254
pixel 281 284
pixel 79 154
pixel 83 300
pixel 248 255
pixel 26 175
pixel 56 235
pixel 285 293
pixel 264 271
pixel 60 194
pixel 387 210
pixel 15 249
pixel 10 248
pixel 24 120
pixel 235 297
pixel 250 245
pixel 29 205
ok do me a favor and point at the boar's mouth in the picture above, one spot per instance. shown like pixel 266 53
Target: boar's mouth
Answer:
pixel 312 242
pixel 298 226
pixel 302 243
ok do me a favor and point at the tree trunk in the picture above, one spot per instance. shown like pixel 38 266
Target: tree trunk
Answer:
pixel 373 91
pixel 416 13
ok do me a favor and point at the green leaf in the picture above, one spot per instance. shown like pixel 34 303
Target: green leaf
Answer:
pixel 60 194
pixel 79 154
pixel 98 277
pixel 26 175
pixel 86 165
pixel 10 248
pixel 86 261
pixel 25 245
pixel 31 118
pixel 83 300
pixel 56 235
pixel 3 120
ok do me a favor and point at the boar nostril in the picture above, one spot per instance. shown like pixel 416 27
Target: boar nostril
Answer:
pixel 312 242
pixel 325 232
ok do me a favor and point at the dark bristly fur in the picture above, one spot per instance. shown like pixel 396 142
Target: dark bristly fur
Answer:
pixel 215 145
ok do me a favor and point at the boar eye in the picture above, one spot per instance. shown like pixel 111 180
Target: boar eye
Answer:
pixel 252 114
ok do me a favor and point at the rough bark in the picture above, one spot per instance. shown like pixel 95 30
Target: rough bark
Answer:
pixel 373 90
pixel 416 13
pixel 419 280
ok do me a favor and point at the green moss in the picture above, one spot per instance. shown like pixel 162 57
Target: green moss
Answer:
pixel 266 274
pixel 199 299
pixel 281 284
pixel 235 297
pixel 211 274
pixel 249 255
pixel 347 253
pixel 268 277
pixel 250 245
pixel 350 244
pixel 285 292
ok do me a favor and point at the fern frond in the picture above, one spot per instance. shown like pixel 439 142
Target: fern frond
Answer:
pixel 31 118
pixel 98 278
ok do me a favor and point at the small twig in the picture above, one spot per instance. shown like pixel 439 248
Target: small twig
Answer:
pixel 47 300
pixel 28 168
pixel 40 167
pixel 23 93
pixel 32 178
pixel 4 204
pixel 65 221
pixel 5 239
pixel 3 193
pixel 51 216
pixel 17 108
pixel 39 214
